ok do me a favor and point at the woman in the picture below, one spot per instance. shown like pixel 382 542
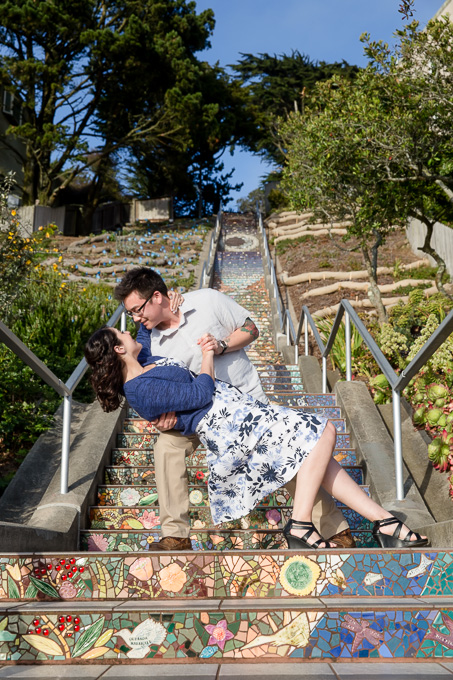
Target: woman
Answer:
pixel 252 448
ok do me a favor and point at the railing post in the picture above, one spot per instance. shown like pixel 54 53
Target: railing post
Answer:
pixel 324 375
pixel 397 443
pixel 123 322
pixel 67 403
pixel 347 332
pixel 306 336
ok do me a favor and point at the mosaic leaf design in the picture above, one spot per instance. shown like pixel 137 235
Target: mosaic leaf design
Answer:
pixel 134 523
pixel 88 637
pixel 13 590
pixel 95 652
pixel 148 500
pixel 42 644
pixel 6 636
pixel 31 591
pixel 3 623
pixel 104 638
pixel 119 575
pixel 104 579
pixel 43 587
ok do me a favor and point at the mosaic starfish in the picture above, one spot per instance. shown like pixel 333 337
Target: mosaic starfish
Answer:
pixel 437 636
pixel 362 632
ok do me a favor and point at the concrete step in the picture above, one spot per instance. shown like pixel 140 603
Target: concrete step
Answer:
pixel 111 540
pixel 145 517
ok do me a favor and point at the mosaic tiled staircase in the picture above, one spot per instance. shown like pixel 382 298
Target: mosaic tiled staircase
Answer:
pixel 235 597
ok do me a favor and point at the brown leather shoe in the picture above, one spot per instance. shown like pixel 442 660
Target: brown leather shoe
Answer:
pixel 344 539
pixel 172 543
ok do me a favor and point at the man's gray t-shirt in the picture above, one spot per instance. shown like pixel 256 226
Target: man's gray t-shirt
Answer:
pixel 208 311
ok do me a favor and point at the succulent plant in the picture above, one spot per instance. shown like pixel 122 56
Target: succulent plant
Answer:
pixel 439 454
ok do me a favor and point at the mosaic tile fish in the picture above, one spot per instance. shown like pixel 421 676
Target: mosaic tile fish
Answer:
pixel 421 568
pixel 372 577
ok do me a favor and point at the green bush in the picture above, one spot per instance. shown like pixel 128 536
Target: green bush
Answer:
pixel 53 318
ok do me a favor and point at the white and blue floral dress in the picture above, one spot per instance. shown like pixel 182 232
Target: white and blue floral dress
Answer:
pixel 253 449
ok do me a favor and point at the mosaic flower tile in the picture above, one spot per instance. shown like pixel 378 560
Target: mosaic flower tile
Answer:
pixel 136 441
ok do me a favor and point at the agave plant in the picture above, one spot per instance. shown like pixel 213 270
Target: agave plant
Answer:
pixel 338 351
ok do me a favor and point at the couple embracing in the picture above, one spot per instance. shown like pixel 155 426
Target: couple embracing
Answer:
pixel 188 374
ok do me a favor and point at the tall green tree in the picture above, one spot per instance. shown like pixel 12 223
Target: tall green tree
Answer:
pixel 275 87
pixel 95 77
pixel 331 168
pixel 379 150
pixel 215 121
pixel 414 148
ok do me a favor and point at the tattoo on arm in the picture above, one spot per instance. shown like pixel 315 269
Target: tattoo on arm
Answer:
pixel 249 327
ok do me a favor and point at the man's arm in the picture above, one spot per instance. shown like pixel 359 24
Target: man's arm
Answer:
pixel 144 337
pixel 239 338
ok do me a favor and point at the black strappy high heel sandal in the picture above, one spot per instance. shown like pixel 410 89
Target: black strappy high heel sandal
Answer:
pixel 394 541
pixel 296 543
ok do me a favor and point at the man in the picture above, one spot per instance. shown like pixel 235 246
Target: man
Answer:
pixel 163 332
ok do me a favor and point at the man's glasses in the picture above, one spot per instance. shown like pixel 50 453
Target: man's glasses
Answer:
pixel 137 312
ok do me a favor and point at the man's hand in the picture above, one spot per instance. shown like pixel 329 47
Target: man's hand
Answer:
pixel 208 342
pixel 176 300
pixel 165 422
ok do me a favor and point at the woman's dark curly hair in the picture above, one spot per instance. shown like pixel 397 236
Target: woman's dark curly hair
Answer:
pixel 106 366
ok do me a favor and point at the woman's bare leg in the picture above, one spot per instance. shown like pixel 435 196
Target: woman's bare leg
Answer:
pixel 309 478
pixel 339 484
pixel 321 469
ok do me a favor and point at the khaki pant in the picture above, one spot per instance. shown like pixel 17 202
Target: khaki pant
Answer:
pixel 170 451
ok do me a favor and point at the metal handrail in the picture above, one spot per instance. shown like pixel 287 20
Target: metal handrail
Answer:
pixel 271 271
pixel 65 390
pixel 208 265
pixel 396 381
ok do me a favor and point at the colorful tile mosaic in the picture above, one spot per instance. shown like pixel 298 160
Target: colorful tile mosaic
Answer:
pixel 246 634
pixel 110 494
pixel 136 517
pixel 134 475
pixel 281 573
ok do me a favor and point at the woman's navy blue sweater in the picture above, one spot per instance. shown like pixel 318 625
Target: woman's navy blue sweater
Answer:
pixel 171 388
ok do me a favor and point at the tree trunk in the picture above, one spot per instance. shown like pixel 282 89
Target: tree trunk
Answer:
pixel 374 293
pixel 429 250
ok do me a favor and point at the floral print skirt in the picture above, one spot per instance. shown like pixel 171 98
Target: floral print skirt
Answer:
pixel 252 449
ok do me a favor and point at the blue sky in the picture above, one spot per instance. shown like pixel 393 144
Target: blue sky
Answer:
pixel 325 30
